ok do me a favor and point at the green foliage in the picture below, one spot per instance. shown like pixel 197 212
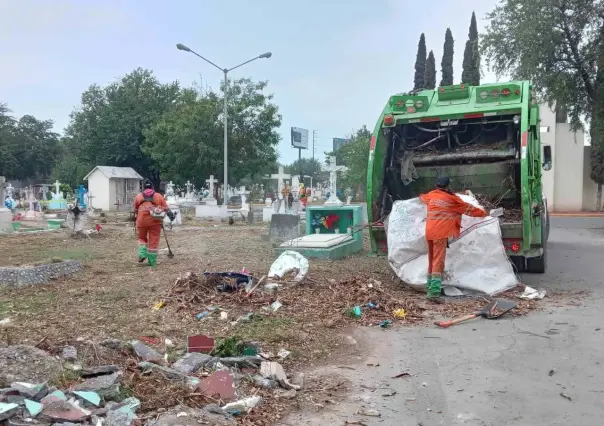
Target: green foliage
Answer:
pixel 228 347
pixel 187 142
pixel 597 128
pixel 355 156
pixel 430 74
pixel 420 64
pixel 471 56
pixel 553 44
pixel 307 167
pixel 28 146
pixel 447 60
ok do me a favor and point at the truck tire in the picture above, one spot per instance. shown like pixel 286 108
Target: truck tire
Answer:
pixel 537 265
pixel 519 264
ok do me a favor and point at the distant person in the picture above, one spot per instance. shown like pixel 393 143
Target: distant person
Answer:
pixel 149 210
pixel 443 222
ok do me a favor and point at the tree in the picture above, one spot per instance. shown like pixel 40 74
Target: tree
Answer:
pixel 108 127
pixel 564 67
pixel 306 167
pixel 420 64
pixel 446 64
pixel 430 74
pixel 355 156
pixel 471 56
pixel 187 142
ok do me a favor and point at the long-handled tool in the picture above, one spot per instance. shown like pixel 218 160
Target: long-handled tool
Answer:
pixel 495 309
pixel 170 254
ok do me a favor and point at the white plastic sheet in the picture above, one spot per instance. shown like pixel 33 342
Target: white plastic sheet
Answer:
pixel 475 262
pixel 287 262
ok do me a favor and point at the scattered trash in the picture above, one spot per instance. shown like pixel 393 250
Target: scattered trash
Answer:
pixel 229 281
pixel 159 305
pixel 271 288
pixel 202 315
pixel 391 393
pixel 373 362
pixel 220 384
pixel 371 305
pixel 283 353
pixel 150 340
pixel 398 376
pixel 253 289
pixel 289 262
pixel 69 353
pixel 399 313
pixel 371 413
pixel 551 373
pixel 224 315
pixel 91 397
pixel 34 408
pixel 274 371
pixel 563 395
pixel 4 322
pixel 496 212
pixel 200 343
pixel 287 394
pixel 243 405
pixel 168 343
pixel 532 294
pixel 385 323
pixel 145 352
pixel 356 312
pixel 355 422
pixel 276 305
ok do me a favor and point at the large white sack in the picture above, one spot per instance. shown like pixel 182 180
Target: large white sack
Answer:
pixel 476 261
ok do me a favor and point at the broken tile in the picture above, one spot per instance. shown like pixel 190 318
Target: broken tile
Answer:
pixel 121 417
pixel 99 371
pixel 55 396
pixel 220 383
pixel 131 403
pixel 65 411
pixel 30 390
pixel 111 343
pixel 191 362
pixel 200 343
pixel 7 410
pixel 145 352
pixel 34 408
pixel 19 421
pixel 88 396
pixel 106 386
pixel 15 399
pixel 69 353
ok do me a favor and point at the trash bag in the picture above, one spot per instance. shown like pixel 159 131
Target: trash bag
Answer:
pixel 288 262
pixel 475 262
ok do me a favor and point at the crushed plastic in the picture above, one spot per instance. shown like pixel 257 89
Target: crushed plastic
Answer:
pixel 242 406
pixel 532 294
pixel 288 262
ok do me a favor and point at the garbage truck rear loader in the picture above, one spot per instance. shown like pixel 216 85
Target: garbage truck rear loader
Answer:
pixel 486 138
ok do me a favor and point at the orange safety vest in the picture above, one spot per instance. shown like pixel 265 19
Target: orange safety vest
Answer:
pixel 444 214
pixel 144 206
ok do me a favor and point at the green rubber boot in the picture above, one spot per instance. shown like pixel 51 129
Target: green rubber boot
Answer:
pixel 428 284
pixel 434 288
pixel 142 253
pixel 152 259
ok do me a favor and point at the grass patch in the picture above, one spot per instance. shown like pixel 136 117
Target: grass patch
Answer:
pixel 67 254
pixel 268 329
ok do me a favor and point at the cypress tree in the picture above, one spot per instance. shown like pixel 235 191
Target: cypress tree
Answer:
pixel 420 64
pixel 471 56
pixel 430 74
pixel 447 61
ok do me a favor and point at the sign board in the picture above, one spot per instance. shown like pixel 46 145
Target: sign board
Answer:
pixel 299 138
pixel 339 143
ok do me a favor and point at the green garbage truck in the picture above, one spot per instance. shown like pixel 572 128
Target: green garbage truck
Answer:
pixel 486 139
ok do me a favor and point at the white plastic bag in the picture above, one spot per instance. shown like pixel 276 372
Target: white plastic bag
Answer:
pixel 475 262
pixel 286 263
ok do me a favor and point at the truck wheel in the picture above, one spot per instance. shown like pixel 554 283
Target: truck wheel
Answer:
pixel 518 262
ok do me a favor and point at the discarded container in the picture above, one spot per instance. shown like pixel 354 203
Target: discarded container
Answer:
pixel 159 305
pixel 283 353
pixel 224 316
pixel 385 323
pixel 356 312
pixel 202 315
pixel 276 305
pixel 371 305
pixel 286 263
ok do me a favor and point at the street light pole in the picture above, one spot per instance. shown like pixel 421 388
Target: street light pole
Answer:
pixel 225 71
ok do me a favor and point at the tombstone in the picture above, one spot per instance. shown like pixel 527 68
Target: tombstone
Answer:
pixel 44 192
pixel 31 212
pixel 6 217
pixel 7 198
pixel 170 194
pixel 279 177
pixel 333 168
pixel 210 198
pixel 57 202
pixel 189 193
pixel 284 227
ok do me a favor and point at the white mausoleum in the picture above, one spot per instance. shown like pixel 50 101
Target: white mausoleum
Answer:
pixel 113 188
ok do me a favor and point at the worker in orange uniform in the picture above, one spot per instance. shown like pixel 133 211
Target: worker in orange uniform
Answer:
pixel 149 208
pixel 443 222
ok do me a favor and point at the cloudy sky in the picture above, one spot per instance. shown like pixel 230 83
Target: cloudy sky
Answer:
pixel 334 64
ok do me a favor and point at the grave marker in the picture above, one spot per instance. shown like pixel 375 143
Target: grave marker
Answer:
pixel 333 168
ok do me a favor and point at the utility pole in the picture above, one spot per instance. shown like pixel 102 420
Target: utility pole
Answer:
pixel 315 134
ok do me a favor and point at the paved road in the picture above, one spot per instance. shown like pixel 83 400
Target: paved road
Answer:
pixel 543 369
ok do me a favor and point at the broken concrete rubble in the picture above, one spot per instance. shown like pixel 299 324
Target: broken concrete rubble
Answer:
pixel 99 371
pixel 68 411
pixel 107 386
pixel 220 384
pixel 169 373
pixel 145 352
pixel 186 416
pixel 8 410
pixel 69 353
pixel 29 390
pixel 191 362
pixel 23 363
pixel 274 371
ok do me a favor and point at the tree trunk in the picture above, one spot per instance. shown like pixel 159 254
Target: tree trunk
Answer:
pixel 599 198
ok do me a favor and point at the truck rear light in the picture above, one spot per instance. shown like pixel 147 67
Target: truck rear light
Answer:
pixel 495 93
pixel 474 115
pixel 419 104
pixel 388 120
pixel 484 94
pixel 506 92
pixel 517 92
pixel 515 247
pixel 410 110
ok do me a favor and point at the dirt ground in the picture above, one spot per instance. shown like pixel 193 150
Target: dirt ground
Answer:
pixel 114 296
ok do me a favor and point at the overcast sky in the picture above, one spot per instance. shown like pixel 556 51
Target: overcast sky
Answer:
pixel 334 64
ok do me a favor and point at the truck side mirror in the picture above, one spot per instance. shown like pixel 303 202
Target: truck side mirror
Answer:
pixel 547 157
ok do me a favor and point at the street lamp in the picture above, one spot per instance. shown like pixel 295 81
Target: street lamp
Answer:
pixel 225 71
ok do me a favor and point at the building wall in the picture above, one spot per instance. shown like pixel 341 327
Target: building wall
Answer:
pixel 98 187
pixel 590 188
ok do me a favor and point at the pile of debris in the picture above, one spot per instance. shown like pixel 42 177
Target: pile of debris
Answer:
pixel 134 382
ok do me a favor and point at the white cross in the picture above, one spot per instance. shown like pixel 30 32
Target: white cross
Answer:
pixel 57 187
pixel 188 185
pixel 211 181
pixel 333 168
pixel 280 176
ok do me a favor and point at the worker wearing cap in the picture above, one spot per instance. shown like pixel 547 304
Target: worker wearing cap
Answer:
pixel 149 210
pixel 443 222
